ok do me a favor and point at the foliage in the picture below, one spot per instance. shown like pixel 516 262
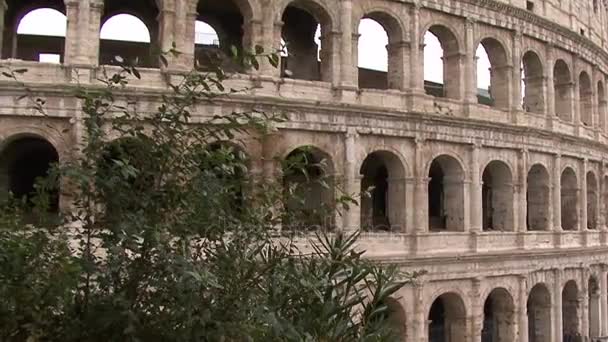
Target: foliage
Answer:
pixel 169 238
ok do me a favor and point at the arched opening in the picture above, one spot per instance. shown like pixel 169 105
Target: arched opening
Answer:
pixel 117 158
pixel 372 54
pixel 601 105
pixel 532 79
pixel 447 319
pixel 442 63
pixel 383 208
pixel 497 197
pixel 446 195
pixel 40 36
pixel 594 307
pixel 562 86
pixel 498 317
pixel 129 31
pixel 223 168
pixel 396 319
pixel 569 200
pixel 308 189
pixel 492 74
pixel 592 198
pixel 219 26
pixel 23 162
pixel 537 196
pixel 570 315
pixel 304 26
pixel 585 99
pixel 539 314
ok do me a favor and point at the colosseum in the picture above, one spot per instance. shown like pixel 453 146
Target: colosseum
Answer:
pixel 499 193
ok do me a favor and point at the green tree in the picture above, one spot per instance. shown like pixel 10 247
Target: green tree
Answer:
pixel 168 237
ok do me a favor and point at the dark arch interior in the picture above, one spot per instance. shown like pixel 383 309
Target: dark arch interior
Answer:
pixel 224 168
pixel 374 208
pixel 539 314
pixel 447 319
pixel 570 307
pixel 143 54
pixel 227 20
pixel 569 200
pixel 26 160
pixel 537 198
pixel 436 198
pixel 302 61
pixel 532 76
pixel 308 191
pixel 25 46
pixel 498 319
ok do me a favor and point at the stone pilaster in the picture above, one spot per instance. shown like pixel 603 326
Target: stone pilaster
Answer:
pixel 470 68
pixel 556 309
pixel 348 70
pixel 475 188
pixel 352 181
pixel 522 309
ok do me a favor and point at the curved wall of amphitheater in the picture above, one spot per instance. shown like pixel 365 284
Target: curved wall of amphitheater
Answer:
pixel 502 202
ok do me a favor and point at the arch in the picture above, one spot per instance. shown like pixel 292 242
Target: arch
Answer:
pixel 537 198
pixel 498 317
pixel 592 200
pixel 585 94
pixel 447 82
pixel 34 42
pixel 136 47
pixel 136 153
pixel 446 194
pixel 601 105
pixel 562 86
pixel 309 188
pixel 223 169
pixel 569 199
pixel 532 79
pixel 396 319
pixel 447 319
pixel 379 34
pixel 304 21
pixel 383 176
pixel 594 306
pixel 539 314
pixel 24 160
pixel 570 314
pixel 230 21
pixel 497 197
pixel 499 73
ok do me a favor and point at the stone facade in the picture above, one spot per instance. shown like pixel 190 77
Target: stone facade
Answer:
pixel 504 205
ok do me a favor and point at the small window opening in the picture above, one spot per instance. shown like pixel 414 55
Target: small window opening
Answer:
pixel 49 58
pixel 530 6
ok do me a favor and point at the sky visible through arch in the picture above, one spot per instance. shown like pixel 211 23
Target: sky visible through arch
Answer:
pixel 372 41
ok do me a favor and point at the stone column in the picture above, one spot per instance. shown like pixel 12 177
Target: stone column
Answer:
pixel 75 20
pixel 420 316
pixel 516 82
pixel 477 311
pixel 398 57
pixel 522 202
pixel 471 63
pixel 476 195
pixel 3 8
pixel 421 190
pixel 550 95
pixel 522 312
pixel 557 305
pixel 330 57
pixel 582 194
pixel 351 180
pixel 557 193
pixel 584 303
pixel 604 300
pixel 601 210
pixel 416 73
pixel 348 68
pixel 92 36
